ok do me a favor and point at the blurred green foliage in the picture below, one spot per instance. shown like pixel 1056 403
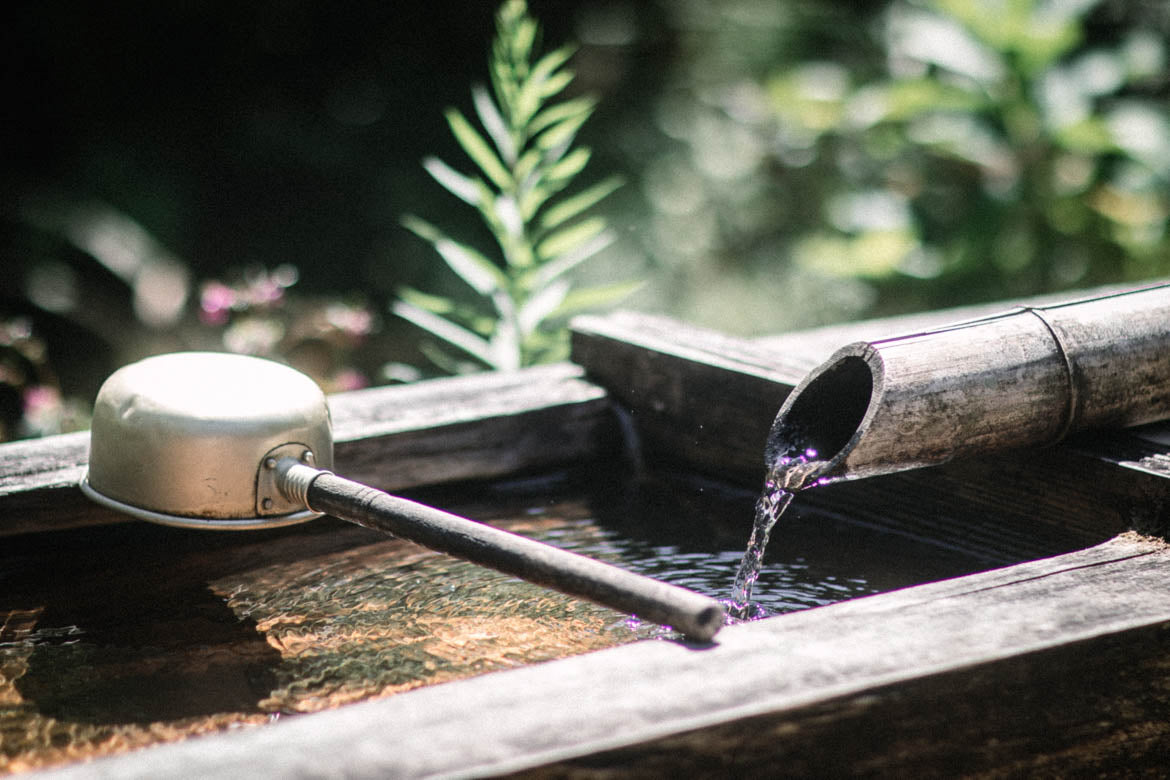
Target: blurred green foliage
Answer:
pixel 997 144
pixel 911 154
pixel 514 310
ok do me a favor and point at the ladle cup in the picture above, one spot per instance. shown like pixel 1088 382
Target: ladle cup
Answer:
pixel 218 441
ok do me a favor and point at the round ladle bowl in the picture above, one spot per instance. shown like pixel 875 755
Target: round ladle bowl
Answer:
pixel 219 441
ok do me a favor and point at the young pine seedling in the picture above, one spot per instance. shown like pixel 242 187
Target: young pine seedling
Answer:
pixel 516 308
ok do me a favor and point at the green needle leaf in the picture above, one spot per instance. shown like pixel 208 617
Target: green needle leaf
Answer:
pixel 489 115
pixel 568 261
pixel 572 206
pixel 561 111
pixel 477 149
pixel 446 330
pixel 586 298
pixel 481 274
pixel 522 146
pixel 462 187
pixel 570 238
pixel 573 163
pixel 537 308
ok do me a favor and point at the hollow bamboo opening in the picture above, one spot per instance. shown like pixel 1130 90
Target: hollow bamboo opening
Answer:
pixel 825 414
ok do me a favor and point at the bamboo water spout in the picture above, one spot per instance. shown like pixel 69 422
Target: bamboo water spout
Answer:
pixel 1027 377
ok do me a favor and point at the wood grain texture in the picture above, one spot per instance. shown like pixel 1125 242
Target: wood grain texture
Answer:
pixel 691 395
pixel 1055 666
pixel 707 400
pixel 476 427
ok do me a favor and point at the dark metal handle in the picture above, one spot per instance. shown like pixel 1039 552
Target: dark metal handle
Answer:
pixel 697 616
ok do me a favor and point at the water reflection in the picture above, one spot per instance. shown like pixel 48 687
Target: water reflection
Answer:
pixel 120 637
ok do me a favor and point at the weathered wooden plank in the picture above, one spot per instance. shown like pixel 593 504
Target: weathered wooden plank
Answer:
pixel 692 395
pixel 474 427
pixel 1055 665
pixel 713 414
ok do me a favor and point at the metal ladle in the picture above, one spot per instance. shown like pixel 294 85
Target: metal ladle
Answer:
pixel 219 441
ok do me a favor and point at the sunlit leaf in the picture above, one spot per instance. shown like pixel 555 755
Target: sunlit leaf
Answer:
pixel 548 64
pixel 1142 130
pixel 568 261
pixel 525 166
pixel 523 39
pixel 562 132
pixel 570 238
pixel 573 163
pixel 901 100
pixel 572 206
pixel 505 341
pixel 535 88
pixel 1089 136
pixel 872 254
pixel 952 43
pixel 445 329
pixel 436 304
pixel 480 273
pixel 534 197
pixel 537 308
pixel 555 83
pixel 587 298
pixel 561 111
pixel 489 115
pixel 503 85
pixel 518 252
pixel 508 214
pixel 456 183
pixel 1134 209
pixel 477 149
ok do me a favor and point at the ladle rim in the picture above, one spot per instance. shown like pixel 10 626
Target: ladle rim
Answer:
pixel 201 523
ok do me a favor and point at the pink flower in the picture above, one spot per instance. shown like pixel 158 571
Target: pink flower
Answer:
pixel 349 379
pixel 215 303
pixel 353 321
pixel 41 399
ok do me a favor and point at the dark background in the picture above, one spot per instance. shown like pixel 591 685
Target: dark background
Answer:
pixel 257 134
pixel 252 135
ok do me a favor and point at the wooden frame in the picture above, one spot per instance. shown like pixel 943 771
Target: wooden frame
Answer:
pixel 1055 665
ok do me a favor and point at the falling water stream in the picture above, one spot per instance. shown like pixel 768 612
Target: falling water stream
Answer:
pixel 785 477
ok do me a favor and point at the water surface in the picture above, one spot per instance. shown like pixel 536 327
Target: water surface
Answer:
pixel 119 637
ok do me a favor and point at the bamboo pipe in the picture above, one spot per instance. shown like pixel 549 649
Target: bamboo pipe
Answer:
pixel 1027 377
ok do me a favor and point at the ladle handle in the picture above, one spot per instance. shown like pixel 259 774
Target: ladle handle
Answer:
pixel 697 616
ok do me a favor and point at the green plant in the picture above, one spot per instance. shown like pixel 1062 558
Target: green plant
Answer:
pixel 839 161
pixel 515 308
pixel 1004 148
